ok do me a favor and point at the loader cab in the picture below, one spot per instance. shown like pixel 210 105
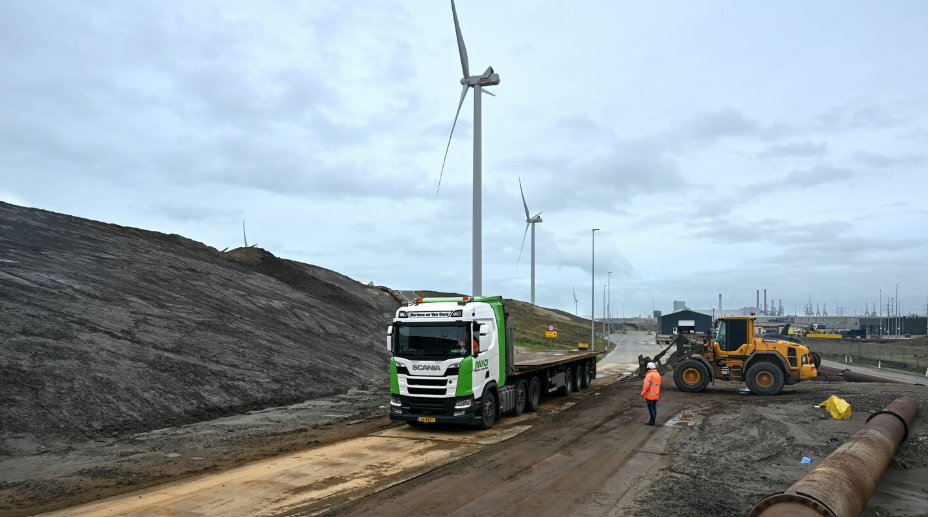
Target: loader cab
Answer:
pixel 731 335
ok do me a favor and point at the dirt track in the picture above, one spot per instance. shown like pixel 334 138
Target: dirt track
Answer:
pixel 586 455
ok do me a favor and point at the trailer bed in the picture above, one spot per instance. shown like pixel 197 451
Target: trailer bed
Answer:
pixel 530 361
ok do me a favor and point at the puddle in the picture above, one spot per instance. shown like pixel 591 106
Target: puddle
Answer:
pixel 685 418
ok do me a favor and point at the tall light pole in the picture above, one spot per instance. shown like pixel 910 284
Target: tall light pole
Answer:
pixel 880 334
pixel 604 317
pixel 593 294
pixel 896 308
pixel 609 305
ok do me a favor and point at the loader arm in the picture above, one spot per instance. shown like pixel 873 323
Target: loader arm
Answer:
pixel 684 349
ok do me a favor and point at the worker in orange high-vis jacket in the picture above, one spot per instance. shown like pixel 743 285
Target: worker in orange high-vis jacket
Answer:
pixel 651 391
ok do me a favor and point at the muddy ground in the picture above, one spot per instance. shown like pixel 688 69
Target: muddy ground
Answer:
pixel 727 451
pixel 96 469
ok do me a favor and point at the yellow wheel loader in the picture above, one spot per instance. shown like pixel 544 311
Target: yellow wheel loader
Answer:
pixel 733 352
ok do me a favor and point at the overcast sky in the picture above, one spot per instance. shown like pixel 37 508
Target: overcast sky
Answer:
pixel 722 147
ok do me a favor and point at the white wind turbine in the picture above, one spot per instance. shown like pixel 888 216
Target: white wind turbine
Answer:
pixel 477 82
pixel 576 301
pixel 529 221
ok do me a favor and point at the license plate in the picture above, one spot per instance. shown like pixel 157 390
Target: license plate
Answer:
pixel 427 419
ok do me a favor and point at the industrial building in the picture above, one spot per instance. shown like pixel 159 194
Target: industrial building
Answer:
pixel 892 326
pixel 685 321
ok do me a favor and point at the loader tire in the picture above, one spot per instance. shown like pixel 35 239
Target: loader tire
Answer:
pixel 816 360
pixel 691 376
pixel 765 379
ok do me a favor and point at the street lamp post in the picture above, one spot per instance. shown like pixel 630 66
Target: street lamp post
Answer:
pixel 604 316
pixel 609 305
pixel 593 293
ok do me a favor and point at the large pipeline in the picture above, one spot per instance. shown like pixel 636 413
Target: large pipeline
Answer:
pixel 842 483
pixel 831 374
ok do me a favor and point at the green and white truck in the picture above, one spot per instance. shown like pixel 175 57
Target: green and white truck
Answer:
pixel 454 361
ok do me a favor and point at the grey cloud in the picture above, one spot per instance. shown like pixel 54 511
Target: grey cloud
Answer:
pixel 796 150
pixel 859 114
pixel 880 161
pixel 811 177
pixel 729 122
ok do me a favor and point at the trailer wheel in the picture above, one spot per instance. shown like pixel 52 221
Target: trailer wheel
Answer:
pixel 489 411
pixel 578 373
pixel 521 397
pixel 691 376
pixel 568 386
pixel 585 375
pixel 534 395
pixel 765 379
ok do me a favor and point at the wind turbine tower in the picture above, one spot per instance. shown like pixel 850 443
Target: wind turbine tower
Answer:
pixel 477 82
pixel 529 221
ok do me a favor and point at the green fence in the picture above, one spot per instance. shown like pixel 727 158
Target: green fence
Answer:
pixel 890 356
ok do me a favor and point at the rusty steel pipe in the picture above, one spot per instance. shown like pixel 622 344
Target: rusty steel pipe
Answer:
pixel 842 483
pixel 829 373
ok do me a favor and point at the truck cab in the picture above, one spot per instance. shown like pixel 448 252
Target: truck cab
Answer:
pixel 451 361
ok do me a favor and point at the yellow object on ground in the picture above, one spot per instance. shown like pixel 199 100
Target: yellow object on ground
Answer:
pixel 838 407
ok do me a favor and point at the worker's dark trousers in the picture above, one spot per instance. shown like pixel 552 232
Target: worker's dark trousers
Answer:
pixel 652 409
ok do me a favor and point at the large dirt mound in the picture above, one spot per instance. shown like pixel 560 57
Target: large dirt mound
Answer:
pixel 107 330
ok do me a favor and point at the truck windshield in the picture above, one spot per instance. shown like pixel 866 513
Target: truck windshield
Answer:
pixel 434 342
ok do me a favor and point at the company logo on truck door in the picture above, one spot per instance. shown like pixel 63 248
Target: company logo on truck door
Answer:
pixel 426 367
pixel 482 364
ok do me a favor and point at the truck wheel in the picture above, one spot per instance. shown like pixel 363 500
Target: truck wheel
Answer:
pixel 489 411
pixel 691 376
pixel 585 376
pixel 534 395
pixel 765 379
pixel 568 386
pixel 577 374
pixel 521 397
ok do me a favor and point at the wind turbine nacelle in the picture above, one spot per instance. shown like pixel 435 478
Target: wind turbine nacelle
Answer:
pixel 481 80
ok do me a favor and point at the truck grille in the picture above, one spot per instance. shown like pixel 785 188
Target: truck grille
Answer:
pixel 426 382
pixel 427 391
pixel 428 406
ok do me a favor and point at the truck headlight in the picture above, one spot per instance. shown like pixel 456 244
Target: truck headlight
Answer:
pixel 464 403
pixel 805 359
pixel 395 400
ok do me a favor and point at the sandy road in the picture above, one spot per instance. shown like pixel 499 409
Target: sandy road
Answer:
pixel 590 460
pixel 587 451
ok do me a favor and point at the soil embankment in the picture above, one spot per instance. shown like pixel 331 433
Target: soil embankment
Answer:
pixel 109 330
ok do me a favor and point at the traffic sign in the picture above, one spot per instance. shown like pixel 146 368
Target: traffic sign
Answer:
pixel 551 327
pixel 551 333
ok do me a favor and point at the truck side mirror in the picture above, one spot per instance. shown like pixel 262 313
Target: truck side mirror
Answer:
pixel 390 338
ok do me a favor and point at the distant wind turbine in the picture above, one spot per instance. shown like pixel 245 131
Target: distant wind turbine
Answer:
pixel 477 82
pixel 576 301
pixel 529 221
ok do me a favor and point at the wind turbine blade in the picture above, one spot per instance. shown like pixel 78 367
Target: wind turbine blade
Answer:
pixel 527 217
pixel 461 48
pixel 488 92
pixel 523 244
pixel 460 103
pixel 536 215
